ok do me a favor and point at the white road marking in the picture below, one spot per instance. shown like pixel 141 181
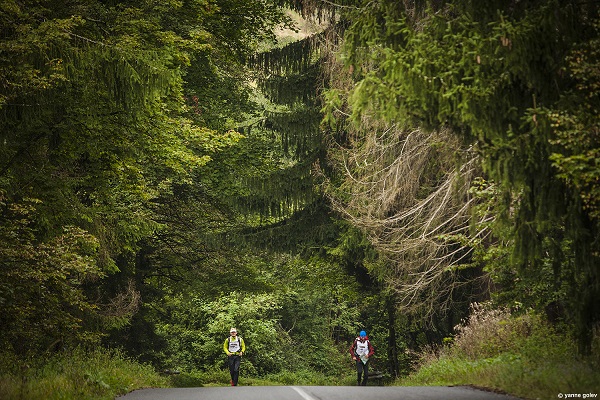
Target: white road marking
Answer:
pixel 302 393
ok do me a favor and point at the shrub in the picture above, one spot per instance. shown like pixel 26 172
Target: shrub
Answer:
pixel 489 332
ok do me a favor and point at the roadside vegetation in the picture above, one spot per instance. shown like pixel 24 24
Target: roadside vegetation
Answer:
pixel 77 374
pixel 104 375
pixel 493 349
pixel 522 356
pixel 221 378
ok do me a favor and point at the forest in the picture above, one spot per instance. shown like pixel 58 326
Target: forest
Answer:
pixel 301 170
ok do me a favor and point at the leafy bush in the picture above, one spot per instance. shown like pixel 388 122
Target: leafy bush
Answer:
pixel 489 332
pixel 299 325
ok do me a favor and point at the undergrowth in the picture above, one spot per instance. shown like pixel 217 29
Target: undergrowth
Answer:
pixel 221 378
pixel 78 374
pixel 104 374
pixel 520 355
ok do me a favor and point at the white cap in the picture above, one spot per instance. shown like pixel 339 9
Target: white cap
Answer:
pixel 233 330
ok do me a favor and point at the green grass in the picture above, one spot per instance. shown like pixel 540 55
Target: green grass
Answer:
pixel 78 375
pixel 511 374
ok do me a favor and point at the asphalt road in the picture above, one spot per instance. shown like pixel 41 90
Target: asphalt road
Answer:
pixel 315 393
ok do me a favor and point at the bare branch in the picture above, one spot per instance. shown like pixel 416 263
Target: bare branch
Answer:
pixel 409 192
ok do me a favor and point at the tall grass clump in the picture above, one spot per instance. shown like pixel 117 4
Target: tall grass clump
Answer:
pixel 518 354
pixel 78 374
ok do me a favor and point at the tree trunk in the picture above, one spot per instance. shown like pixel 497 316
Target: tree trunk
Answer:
pixel 393 366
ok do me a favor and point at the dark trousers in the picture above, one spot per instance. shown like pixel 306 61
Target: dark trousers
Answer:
pixel 362 370
pixel 234 368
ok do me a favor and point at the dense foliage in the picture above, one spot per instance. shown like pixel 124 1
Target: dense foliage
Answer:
pixel 94 140
pixel 514 82
pixel 134 211
pixel 169 169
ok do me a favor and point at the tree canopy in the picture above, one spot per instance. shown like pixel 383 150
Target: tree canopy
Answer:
pixel 302 169
pixel 503 79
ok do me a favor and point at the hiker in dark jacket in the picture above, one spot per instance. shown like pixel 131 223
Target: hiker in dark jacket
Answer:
pixel 361 350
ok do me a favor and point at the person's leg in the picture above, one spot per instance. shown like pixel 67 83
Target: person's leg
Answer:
pixel 365 373
pixel 236 370
pixel 231 362
pixel 359 370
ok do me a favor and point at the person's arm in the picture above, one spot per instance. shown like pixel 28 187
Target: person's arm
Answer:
pixel 371 349
pixel 243 346
pixel 226 347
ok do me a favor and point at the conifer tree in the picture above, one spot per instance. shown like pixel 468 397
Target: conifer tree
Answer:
pixel 491 73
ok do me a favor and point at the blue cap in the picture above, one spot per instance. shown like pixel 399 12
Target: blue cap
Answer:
pixel 362 334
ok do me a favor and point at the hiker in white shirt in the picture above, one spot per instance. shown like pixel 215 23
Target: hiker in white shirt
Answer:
pixel 361 350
